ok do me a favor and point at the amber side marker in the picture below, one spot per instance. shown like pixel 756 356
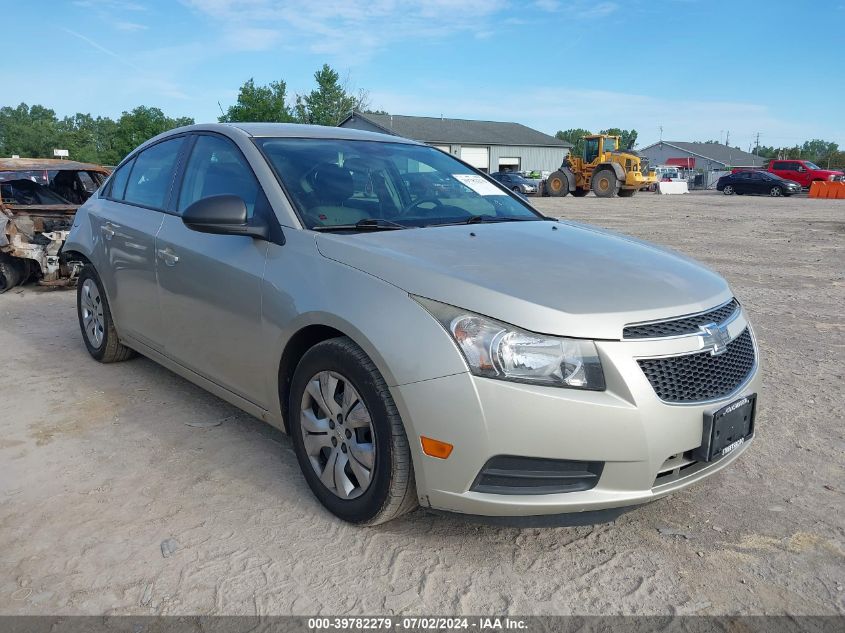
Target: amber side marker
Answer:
pixel 435 448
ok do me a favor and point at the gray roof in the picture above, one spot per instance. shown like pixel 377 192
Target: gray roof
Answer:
pixel 716 152
pixel 463 131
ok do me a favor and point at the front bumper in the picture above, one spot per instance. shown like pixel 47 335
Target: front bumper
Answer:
pixel 627 427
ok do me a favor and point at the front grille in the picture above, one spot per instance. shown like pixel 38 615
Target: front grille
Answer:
pixel 512 475
pixel 682 325
pixel 698 377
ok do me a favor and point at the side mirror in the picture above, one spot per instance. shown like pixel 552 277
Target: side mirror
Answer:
pixel 223 215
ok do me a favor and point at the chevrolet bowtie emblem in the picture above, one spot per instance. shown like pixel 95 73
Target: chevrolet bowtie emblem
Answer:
pixel 715 337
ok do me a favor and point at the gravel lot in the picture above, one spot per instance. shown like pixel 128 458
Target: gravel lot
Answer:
pixel 126 490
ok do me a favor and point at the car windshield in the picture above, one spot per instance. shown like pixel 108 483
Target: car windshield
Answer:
pixel 335 182
pixel 810 165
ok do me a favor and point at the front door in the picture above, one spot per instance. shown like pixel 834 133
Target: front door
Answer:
pixel 758 183
pixel 210 285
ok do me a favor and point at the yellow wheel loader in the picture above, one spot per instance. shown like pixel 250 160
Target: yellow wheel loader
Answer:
pixel 604 169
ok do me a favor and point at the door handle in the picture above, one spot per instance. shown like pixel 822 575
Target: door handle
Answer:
pixel 107 230
pixel 167 256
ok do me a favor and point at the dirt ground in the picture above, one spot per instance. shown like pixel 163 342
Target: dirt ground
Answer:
pixel 126 490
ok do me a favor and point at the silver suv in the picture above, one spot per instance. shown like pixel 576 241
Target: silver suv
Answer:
pixel 426 340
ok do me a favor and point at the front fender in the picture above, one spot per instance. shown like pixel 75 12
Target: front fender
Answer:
pixel 617 169
pixel 304 288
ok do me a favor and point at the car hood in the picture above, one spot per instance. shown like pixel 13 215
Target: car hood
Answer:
pixel 551 277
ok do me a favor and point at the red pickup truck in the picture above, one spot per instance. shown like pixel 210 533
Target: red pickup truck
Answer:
pixel 802 171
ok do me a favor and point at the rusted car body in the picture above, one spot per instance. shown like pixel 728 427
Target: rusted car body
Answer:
pixel 38 200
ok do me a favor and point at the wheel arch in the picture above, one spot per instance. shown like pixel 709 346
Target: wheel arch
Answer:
pixel 73 255
pixel 615 167
pixel 307 334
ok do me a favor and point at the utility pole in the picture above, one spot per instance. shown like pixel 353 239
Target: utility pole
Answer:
pixel 660 127
pixel 728 137
pixel 757 147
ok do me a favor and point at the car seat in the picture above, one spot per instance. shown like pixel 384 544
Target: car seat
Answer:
pixel 333 186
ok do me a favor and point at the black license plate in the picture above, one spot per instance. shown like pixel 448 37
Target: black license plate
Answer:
pixel 727 429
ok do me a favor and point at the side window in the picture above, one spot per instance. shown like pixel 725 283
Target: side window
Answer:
pixel 780 166
pixel 216 167
pixel 152 173
pixel 119 180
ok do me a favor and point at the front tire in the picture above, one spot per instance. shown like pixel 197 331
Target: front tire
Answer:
pixel 605 184
pixel 557 185
pixel 348 437
pixel 776 192
pixel 11 272
pixel 728 190
pixel 95 320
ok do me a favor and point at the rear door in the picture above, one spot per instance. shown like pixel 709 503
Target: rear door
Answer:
pixel 127 220
pixel 210 285
pixel 781 168
pixel 741 182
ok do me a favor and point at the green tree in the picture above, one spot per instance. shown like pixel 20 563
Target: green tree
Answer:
pixel 28 131
pixel 819 151
pixel 331 102
pixel 576 137
pixel 141 124
pixel 628 140
pixel 260 103
pixel 34 132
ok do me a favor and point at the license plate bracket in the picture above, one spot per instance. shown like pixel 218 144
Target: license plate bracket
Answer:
pixel 727 429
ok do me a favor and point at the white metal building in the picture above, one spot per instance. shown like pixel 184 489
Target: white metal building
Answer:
pixel 486 145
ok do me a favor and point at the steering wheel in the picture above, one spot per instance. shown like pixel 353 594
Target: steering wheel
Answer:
pixel 419 202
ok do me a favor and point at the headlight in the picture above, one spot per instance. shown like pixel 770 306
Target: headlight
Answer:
pixel 497 350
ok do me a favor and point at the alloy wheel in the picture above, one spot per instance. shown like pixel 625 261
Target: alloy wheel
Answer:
pixel 93 319
pixel 776 192
pixel 337 434
pixel 728 190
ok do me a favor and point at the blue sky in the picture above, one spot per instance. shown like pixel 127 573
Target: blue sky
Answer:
pixel 698 68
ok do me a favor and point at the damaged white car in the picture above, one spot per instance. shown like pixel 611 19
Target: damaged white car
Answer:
pixel 38 199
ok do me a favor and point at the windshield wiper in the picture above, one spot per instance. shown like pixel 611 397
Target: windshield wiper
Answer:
pixel 483 219
pixel 367 224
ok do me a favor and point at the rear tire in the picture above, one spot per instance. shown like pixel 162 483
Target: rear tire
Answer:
pixel 95 320
pixel 12 272
pixel 328 382
pixel 605 184
pixel 557 185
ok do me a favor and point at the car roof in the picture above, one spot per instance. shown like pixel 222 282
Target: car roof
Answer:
pixel 279 130
pixel 292 130
pixel 47 164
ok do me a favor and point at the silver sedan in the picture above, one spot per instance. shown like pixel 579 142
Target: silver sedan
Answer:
pixel 442 345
